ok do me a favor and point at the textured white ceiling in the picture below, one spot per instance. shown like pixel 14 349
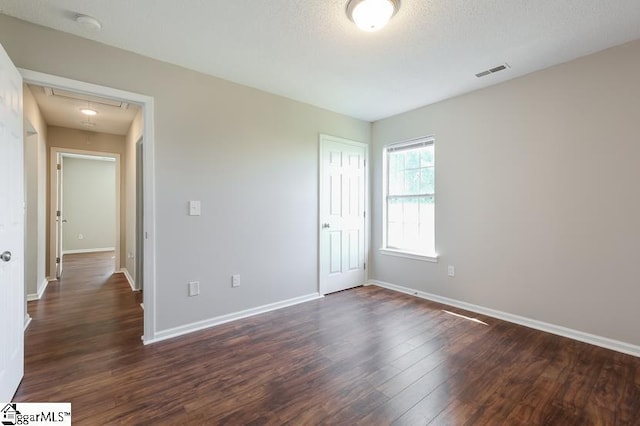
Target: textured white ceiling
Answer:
pixel 65 112
pixel 310 51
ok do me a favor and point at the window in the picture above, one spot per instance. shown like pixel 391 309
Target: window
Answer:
pixel 409 198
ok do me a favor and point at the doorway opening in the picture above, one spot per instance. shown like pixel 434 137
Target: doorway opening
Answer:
pixel 85 189
pixel 135 240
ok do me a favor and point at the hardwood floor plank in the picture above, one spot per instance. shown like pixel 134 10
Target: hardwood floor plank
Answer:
pixel 364 356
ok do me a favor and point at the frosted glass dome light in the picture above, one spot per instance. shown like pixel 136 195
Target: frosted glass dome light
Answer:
pixel 371 15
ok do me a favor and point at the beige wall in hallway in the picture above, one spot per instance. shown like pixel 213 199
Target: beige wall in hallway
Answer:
pixel 133 136
pixel 89 204
pixel 36 196
pixel 61 137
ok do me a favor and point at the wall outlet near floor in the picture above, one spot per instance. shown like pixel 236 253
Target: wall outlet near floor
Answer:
pixel 80 237
pixel 235 280
pixel 194 288
pixel 451 271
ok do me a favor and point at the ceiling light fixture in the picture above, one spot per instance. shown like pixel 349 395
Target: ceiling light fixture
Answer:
pixel 371 15
pixel 87 111
pixel 89 22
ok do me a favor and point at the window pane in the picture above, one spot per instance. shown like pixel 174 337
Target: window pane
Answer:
pixel 411 210
pixel 396 162
pixel 426 156
pixel 411 240
pixel 396 183
pixel 394 212
pixel 394 238
pixel 427 210
pixel 412 158
pixel 427 180
pixel 411 182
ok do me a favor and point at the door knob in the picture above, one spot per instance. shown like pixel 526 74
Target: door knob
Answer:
pixel 325 225
pixel 6 256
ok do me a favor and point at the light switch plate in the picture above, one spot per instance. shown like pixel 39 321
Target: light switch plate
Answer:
pixel 194 208
pixel 194 288
pixel 235 280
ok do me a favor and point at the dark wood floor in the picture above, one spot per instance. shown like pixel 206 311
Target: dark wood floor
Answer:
pixel 367 356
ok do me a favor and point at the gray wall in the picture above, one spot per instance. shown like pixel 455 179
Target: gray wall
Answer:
pixel 250 157
pixel 88 204
pixel 537 203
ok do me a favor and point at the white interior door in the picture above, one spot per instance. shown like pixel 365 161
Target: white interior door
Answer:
pixel 12 299
pixel 342 214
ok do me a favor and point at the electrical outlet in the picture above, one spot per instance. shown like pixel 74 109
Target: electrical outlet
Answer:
pixel 235 280
pixel 80 237
pixel 194 288
pixel 451 271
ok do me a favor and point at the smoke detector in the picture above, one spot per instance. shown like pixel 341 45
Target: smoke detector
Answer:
pixel 88 22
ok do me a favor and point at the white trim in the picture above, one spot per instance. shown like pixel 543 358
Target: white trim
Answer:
pixel 147 104
pixel 212 322
pixel 581 336
pixel 129 278
pixel 411 143
pixel 322 139
pixel 91 250
pixel 41 288
pixel 416 256
pixel 27 321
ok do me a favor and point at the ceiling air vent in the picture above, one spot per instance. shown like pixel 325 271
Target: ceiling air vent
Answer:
pixel 493 70
pixel 82 97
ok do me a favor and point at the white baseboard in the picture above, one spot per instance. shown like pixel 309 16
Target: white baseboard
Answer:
pixel 92 250
pixel 201 325
pixel 127 275
pixel 41 288
pixel 581 336
pixel 27 320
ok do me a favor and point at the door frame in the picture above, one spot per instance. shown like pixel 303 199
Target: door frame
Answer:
pixel 139 265
pixel 322 141
pixel 54 153
pixel 147 105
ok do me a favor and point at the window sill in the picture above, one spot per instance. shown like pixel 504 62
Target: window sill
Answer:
pixel 415 256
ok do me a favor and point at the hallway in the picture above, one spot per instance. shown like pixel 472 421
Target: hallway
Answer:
pixel 83 328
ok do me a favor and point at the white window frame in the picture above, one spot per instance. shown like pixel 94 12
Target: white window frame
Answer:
pixel 427 257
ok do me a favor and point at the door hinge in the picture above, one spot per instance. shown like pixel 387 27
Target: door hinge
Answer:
pixel 57 260
pixel 59 166
pixel 57 213
pixel 365 265
pixel 364 214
